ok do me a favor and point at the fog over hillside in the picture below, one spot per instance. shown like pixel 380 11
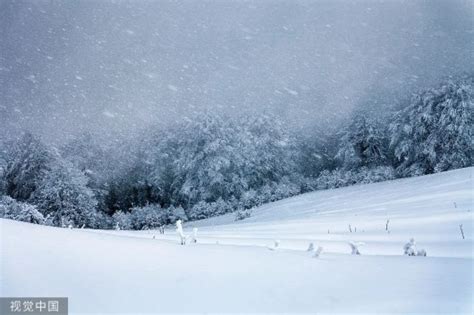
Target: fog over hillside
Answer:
pixel 114 66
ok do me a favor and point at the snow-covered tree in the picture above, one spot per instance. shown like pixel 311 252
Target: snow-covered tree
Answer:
pixel 28 163
pixel 5 151
pixel 210 163
pixel 20 211
pixel 363 143
pixel 316 149
pixel 88 156
pixel 435 132
pixel 63 195
pixel 99 161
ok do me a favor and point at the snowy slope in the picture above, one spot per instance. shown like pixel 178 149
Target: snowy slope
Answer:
pixel 130 272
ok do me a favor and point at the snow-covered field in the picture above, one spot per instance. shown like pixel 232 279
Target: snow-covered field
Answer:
pixel 231 268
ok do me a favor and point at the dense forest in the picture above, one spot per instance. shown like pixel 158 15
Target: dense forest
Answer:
pixel 213 164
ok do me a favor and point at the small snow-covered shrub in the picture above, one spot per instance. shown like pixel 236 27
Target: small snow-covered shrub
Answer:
pixel 410 248
pixel 20 211
pixel 355 247
pixel 242 214
pixel 421 252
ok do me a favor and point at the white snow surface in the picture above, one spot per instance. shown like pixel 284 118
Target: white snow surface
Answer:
pixel 231 268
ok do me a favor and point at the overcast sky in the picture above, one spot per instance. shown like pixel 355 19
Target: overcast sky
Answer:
pixel 115 66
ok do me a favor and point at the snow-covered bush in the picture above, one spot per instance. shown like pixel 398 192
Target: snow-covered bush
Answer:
pixel 102 221
pixel 175 214
pixel 123 221
pixel 267 193
pixel 200 210
pixel 20 211
pixel 367 175
pixel 242 214
pixel 148 217
pixel 203 209
pixel 410 248
pixel 152 216
pixel 249 199
pixel 364 175
pixel 421 252
pixel 286 188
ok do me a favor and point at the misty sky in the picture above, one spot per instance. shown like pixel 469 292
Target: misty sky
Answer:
pixel 115 66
